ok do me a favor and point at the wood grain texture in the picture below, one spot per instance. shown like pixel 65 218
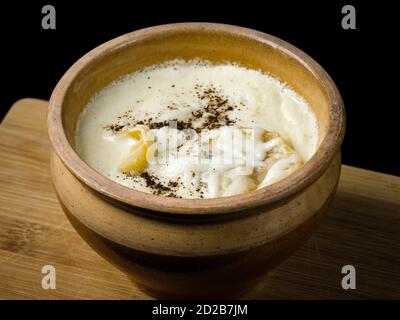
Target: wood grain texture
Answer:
pixel 362 228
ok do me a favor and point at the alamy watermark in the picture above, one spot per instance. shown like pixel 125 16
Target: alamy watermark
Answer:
pixel 49 18
pixel 349 18
pixel 49 278
pixel 349 280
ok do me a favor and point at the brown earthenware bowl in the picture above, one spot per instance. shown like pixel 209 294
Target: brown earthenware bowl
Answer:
pixel 205 248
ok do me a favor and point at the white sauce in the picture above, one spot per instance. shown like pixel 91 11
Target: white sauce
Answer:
pixel 171 91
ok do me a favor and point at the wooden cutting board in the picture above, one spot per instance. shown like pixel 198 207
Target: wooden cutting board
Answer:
pixel 362 229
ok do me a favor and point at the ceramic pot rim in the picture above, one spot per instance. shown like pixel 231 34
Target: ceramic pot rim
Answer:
pixel 285 188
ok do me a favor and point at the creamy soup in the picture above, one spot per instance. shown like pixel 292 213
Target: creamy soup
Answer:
pixel 194 129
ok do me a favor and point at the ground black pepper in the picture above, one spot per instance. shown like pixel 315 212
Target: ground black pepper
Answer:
pixel 213 113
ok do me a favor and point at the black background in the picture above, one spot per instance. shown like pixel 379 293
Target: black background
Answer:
pixel 360 61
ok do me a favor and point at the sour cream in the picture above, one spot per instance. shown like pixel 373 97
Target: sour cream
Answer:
pixel 215 130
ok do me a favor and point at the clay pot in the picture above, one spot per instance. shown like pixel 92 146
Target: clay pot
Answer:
pixel 205 248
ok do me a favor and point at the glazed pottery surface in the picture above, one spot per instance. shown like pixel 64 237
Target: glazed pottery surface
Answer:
pixel 205 248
